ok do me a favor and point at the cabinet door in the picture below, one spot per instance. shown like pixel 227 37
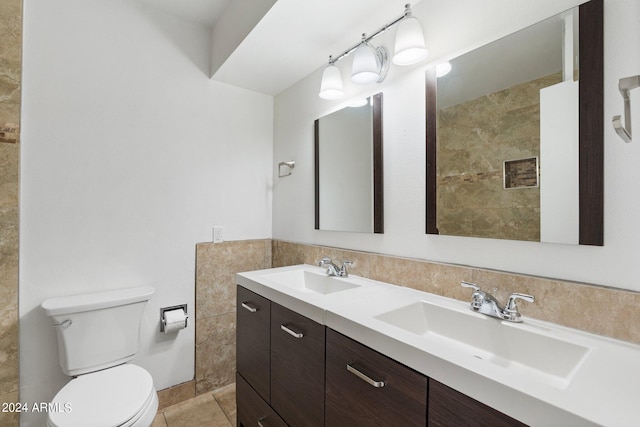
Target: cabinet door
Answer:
pixel 252 340
pixel 252 411
pixel 297 368
pixel 366 388
pixel 448 407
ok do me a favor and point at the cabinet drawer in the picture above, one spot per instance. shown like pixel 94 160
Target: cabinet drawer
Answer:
pixel 297 368
pixel 252 411
pixel 375 391
pixel 253 341
pixel 448 407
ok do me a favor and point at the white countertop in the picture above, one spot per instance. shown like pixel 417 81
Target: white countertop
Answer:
pixel 604 388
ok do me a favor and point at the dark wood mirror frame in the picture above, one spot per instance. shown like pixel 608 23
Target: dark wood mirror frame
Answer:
pixel 591 129
pixel 378 165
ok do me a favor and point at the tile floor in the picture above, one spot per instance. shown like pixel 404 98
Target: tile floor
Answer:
pixel 214 409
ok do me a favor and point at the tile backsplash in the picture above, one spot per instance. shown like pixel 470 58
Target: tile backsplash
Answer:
pixel 576 305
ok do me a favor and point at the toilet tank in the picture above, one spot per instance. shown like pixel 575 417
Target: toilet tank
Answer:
pixel 98 330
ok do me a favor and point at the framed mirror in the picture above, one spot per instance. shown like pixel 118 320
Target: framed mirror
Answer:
pixel 515 135
pixel 348 168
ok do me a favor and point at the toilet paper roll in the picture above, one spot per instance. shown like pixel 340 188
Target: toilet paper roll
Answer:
pixel 174 320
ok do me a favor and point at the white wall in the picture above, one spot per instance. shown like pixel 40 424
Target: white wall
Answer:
pixel 452 28
pixel 130 155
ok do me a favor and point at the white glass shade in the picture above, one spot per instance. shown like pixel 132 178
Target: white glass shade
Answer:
pixel 331 85
pixel 410 47
pixel 366 66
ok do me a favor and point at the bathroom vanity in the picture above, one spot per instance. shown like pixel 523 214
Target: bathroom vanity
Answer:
pixel 314 350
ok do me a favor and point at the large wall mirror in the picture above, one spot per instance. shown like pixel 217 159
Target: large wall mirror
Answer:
pixel 515 135
pixel 348 168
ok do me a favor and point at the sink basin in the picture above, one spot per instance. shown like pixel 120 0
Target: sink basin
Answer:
pixel 507 345
pixel 305 280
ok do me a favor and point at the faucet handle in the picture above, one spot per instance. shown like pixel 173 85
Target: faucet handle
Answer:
pixel 323 261
pixel 343 270
pixel 477 299
pixel 511 312
pixel 470 285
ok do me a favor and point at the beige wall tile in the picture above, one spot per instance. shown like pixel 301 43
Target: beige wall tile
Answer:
pixel 215 352
pixel 10 75
pixel 216 267
pixel 8 419
pixel 178 393
pixel 576 305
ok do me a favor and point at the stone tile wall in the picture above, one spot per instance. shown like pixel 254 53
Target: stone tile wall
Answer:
pixel 576 305
pixel 10 79
pixel 475 138
pixel 216 266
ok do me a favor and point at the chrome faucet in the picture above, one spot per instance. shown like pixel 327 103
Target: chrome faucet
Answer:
pixel 334 270
pixel 485 303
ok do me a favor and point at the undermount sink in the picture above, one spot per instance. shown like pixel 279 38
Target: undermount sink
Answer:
pixel 310 281
pixel 501 343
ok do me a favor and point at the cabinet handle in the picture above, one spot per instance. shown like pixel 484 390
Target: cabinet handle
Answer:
pixel 249 307
pixel 291 332
pixel 260 421
pixel 365 378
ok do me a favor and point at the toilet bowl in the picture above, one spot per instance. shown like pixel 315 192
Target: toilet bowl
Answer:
pixel 98 334
pixel 123 396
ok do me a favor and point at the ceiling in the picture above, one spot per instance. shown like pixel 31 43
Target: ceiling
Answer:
pixel 294 38
pixel 204 12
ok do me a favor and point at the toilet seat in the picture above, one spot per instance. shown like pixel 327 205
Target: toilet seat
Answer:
pixel 114 397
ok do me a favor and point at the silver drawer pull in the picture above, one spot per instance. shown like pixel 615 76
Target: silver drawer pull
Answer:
pixel 249 307
pixel 291 332
pixel 365 378
pixel 260 422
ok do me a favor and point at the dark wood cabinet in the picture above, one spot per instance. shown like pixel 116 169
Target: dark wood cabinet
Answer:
pixel 297 367
pixel 366 388
pixel 253 342
pixel 448 407
pixel 252 411
pixel 294 371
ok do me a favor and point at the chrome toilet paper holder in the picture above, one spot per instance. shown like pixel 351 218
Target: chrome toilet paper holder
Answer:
pixel 163 318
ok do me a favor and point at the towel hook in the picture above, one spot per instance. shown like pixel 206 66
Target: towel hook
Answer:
pixel 290 165
pixel 625 85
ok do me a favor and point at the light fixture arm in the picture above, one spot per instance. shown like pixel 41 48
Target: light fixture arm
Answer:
pixel 367 39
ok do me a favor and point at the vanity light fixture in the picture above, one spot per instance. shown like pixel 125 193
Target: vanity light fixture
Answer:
pixel 370 64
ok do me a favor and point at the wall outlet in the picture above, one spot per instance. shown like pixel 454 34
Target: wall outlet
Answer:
pixel 217 234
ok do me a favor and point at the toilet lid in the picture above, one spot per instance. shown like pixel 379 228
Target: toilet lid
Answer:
pixel 108 398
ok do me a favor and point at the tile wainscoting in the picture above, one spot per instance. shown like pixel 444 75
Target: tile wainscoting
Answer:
pixel 216 267
pixel 577 305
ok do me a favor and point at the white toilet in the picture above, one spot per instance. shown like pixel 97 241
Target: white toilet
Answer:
pixel 98 334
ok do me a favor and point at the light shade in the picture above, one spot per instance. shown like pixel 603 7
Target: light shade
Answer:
pixel 331 85
pixel 366 65
pixel 410 47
